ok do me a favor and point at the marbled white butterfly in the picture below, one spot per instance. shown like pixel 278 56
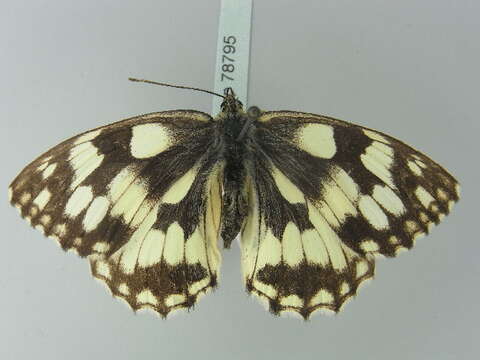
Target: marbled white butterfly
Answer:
pixel 313 198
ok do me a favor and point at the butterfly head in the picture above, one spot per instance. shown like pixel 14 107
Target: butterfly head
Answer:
pixel 230 103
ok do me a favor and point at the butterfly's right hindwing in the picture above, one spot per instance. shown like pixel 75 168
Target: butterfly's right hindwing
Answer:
pixel 140 196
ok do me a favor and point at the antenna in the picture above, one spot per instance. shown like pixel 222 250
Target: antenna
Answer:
pixel 175 86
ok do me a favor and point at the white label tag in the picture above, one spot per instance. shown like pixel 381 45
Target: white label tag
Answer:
pixel 233 50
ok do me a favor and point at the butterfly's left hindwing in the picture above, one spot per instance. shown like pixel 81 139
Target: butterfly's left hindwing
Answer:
pixel 325 197
pixel 140 197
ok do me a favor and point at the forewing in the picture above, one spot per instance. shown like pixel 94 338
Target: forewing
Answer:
pixel 325 197
pixel 141 198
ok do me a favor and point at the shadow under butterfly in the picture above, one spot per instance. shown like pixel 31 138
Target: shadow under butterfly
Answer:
pixel 313 198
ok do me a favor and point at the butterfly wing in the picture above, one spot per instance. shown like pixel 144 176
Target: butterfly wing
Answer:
pixel 327 196
pixel 141 198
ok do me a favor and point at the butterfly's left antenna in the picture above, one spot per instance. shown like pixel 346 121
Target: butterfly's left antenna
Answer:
pixel 175 86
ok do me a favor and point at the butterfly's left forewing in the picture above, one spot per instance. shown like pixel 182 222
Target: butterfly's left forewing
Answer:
pixel 141 198
pixel 325 197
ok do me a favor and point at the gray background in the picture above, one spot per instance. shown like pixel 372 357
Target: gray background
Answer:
pixel 409 68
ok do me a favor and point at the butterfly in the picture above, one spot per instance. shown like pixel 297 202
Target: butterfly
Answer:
pixel 314 199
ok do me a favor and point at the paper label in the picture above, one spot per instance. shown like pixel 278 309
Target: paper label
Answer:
pixel 233 50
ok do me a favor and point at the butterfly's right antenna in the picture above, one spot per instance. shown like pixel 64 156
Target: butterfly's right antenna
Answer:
pixel 175 86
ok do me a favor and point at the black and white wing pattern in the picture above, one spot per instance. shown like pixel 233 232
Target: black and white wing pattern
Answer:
pixel 141 198
pixel 325 197
pixel 315 199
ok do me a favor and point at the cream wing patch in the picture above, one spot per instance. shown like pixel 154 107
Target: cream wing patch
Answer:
pixel 270 251
pixel 330 239
pixel 373 213
pixel 292 252
pixel 84 159
pixel 379 161
pixel 96 212
pixel 149 140
pixel 78 201
pixel 316 251
pixel 387 198
pixel 173 250
pixel 180 188
pixel 288 190
pixel 132 197
pixel 42 199
pixel 152 248
pixel 91 135
pixel 317 140
pixel 337 201
pixel 49 170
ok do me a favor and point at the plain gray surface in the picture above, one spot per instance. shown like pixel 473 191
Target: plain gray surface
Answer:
pixel 409 68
